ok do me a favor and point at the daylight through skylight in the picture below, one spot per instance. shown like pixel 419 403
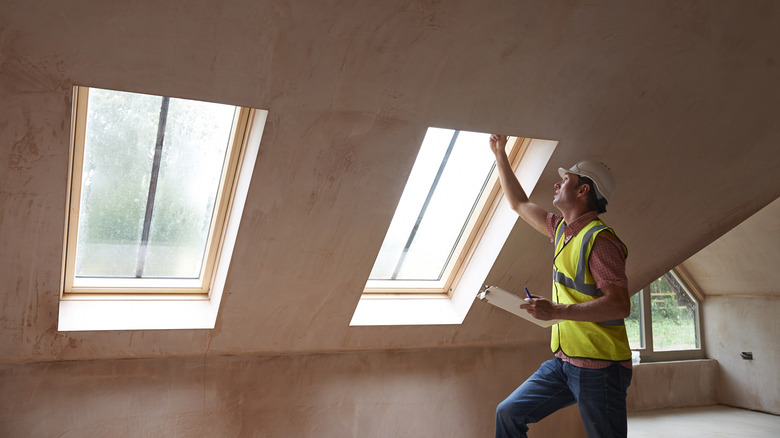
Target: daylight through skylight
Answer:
pixel 441 196
pixel 152 167
pixel 149 176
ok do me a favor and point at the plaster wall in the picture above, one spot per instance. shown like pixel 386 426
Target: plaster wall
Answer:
pixel 745 323
pixel 672 95
pixel 666 385
pixel 415 393
pixel 664 91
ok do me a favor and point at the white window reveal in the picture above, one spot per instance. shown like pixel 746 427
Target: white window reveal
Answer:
pixel 157 185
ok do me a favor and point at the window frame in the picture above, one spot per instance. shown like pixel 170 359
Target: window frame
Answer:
pixel 410 309
pixel 646 351
pixel 135 288
pixel 463 251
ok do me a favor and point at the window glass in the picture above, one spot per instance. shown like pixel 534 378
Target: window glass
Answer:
pixel 151 174
pixel 634 323
pixel 440 197
pixel 673 315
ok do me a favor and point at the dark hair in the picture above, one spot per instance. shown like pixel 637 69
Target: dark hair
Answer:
pixel 594 203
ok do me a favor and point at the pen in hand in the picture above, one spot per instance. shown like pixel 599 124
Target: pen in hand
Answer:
pixel 530 298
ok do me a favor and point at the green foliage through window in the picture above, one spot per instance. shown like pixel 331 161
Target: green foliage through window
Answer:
pixel 672 318
pixel 119 149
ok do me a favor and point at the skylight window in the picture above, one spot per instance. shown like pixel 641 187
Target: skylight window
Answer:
pixel 151 181
pixel 439 213
pixel 448 230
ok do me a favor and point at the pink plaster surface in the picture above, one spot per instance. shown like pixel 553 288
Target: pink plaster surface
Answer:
pixel 426 393
pixel 664 385
pixel 679 98
pixel 745 323
pixel 667 94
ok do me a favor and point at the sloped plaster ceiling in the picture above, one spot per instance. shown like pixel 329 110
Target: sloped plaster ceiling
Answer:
pixel 679 98
pixel 744 260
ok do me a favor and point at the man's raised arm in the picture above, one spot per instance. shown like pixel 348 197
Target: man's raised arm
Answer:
pixel 518 200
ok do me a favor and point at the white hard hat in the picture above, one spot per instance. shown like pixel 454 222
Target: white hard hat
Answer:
pixel 596 171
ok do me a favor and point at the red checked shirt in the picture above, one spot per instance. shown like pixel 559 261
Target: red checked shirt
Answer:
pixel 607 264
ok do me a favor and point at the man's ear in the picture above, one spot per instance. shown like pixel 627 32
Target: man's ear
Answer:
pixel 583 190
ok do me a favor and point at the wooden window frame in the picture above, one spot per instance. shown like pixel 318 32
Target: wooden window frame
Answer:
pixel 475 227
pixel 647 351
pixel 132 288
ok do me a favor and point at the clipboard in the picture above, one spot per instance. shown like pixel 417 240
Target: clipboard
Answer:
pixel 511 303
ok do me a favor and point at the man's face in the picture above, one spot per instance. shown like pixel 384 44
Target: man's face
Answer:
pixel 565 191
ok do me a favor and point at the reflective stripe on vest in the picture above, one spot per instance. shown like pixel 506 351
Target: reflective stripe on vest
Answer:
pixel 605 340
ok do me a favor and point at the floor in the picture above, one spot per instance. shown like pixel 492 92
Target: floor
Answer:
pixel 710 421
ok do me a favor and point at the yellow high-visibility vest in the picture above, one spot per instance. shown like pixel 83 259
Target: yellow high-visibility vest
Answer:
pixel 573 283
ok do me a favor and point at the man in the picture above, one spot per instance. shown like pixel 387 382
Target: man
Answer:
pixel 592 364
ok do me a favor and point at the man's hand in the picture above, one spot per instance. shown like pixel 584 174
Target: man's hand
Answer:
pixel 614 304
pixel 518 200
pixel 541 308
pixel 498 143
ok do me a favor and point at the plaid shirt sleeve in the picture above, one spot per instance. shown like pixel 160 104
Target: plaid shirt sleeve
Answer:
pixel 607 261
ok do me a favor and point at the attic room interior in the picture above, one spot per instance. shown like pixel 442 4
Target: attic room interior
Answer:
pixel 286 337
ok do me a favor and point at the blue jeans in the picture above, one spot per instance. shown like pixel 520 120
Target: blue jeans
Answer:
pixel 600 394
